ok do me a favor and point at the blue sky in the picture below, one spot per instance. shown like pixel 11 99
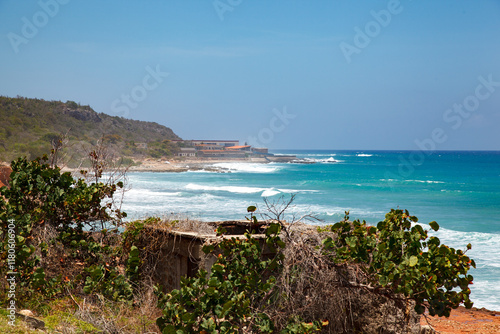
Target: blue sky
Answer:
pixel 283 74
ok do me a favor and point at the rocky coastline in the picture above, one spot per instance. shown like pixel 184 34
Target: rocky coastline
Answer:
pixel 192 164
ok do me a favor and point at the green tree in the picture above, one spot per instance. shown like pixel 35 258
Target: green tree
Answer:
pixel 72 104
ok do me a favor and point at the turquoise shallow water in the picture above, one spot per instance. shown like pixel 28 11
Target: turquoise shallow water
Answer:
pixel 459 190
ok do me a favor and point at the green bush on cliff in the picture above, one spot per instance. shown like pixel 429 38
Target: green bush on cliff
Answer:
pixel 53 216
pixel 399 256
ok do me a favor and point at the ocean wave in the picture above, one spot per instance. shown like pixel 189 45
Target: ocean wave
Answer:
pixel 317 155
pixel 485 293
pixel 364 155
pixel 424 181
pixel 246 190
pixel 274 191
pixel 454 191
pixel 244 167
pixel 417 181
pixel 203 206
pixel 142 194
pixel 326 160
pixel 231 189
pixel 270 192
pixel 336 212
pixel 296 191
pixel 201 171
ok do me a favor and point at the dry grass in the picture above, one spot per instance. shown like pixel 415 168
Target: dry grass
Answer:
pixel 120 318
pixel 313 287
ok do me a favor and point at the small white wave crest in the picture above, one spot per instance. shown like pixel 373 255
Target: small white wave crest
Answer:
pixel 270 192
pixel 424 181
pixel 326 160
pixel 143 194
pixel 244 167
pixel 231 189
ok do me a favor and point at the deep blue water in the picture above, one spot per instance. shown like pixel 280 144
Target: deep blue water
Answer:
pixel 459 190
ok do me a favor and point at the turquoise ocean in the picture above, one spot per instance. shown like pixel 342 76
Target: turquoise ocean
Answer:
pixel 459 190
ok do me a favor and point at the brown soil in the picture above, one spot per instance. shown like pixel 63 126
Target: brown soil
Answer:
pixel 466 321
pixel 5 175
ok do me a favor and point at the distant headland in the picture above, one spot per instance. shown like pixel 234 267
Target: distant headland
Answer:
pixel 33 127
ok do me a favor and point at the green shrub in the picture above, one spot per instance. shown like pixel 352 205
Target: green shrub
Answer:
pixel 399 256
pixel 234 296
pixel 53 217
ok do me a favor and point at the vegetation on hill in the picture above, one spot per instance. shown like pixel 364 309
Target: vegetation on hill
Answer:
pixel 31 127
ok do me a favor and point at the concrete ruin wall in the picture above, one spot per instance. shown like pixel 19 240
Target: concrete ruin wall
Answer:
pixel 180 253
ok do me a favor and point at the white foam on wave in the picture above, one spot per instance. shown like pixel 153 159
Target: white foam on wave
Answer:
pixel 317 155
pixel 417 181
pixel 326 160
pixel 231 189
pixel 364 155
pixel 296 191
pixel 244 167
pixel 485 293
pixel 270 192
pixel 266 192
pixel 245 190
pixel 424 181
pixel 454 191
pixel 338 212
pixel 146 194
pixel 200 171
pixel 203 206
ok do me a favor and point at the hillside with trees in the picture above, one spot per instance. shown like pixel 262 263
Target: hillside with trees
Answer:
pixel 31 127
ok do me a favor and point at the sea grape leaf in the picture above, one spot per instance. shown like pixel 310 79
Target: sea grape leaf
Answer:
pixel 434 225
